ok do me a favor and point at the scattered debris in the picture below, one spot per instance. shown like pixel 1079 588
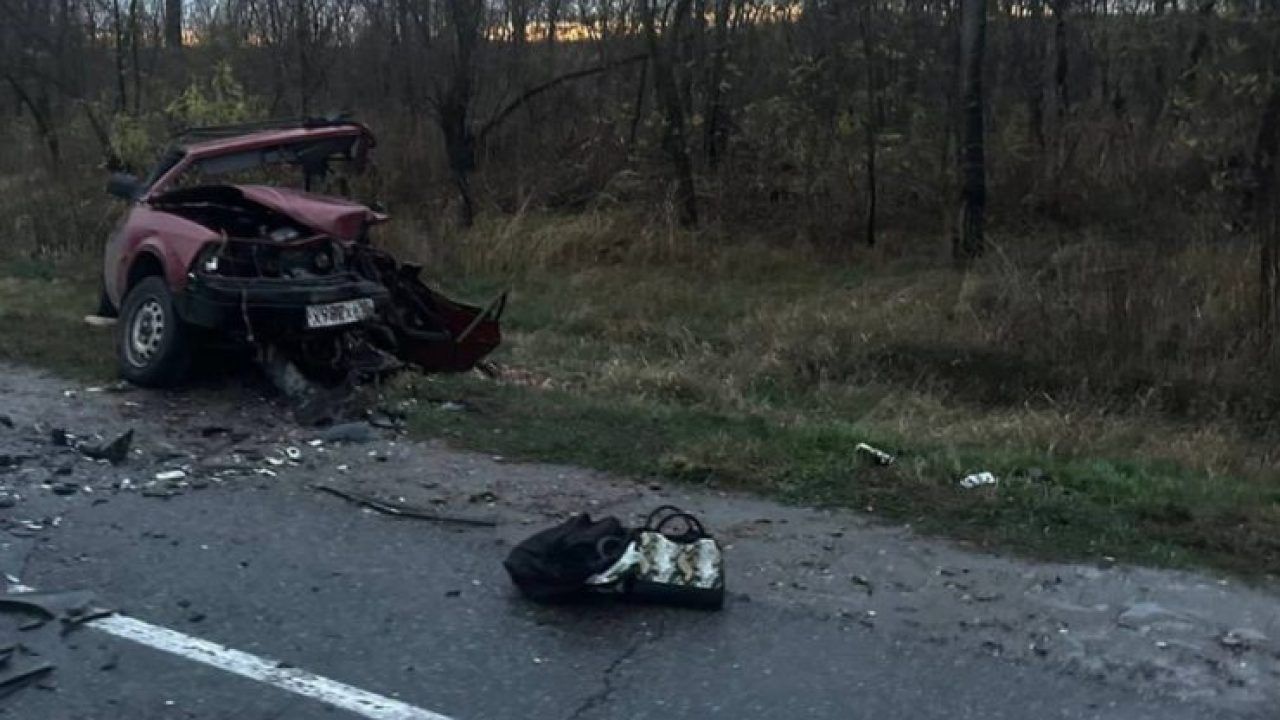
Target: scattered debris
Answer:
pixel 1240 639
pixel 451 406
pixel 399 509
pixel 293 454
pixel 351 432
pixel 387 419
pixel 168 475
pixel 879 456
pixel 1143 614
pixel 100 321
pixel 113 452
pixel 159 492
pixel 71 607
pixel 863 583
pixel 13 680
pixel 978 480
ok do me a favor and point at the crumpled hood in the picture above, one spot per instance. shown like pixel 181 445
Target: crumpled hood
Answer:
pixel 334 216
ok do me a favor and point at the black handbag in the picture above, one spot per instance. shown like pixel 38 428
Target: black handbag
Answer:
pixel 554 564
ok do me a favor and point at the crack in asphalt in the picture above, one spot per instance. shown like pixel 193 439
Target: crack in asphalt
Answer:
pixel 606 691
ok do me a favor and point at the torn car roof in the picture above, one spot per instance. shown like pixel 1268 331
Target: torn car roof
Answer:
pixel 206 147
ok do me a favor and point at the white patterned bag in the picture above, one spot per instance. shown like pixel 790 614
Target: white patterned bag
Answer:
pixel 670 560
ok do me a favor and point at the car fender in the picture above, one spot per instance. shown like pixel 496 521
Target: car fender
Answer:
pixel 171 240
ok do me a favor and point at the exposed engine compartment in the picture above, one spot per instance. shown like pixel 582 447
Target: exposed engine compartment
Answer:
pixel 259 241
pixel 224 209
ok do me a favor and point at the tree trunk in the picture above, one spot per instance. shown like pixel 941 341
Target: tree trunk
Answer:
pixel 1266 208
pixel 1035 76
pixel 969 243
pixel 715 132
pixel 667 92
pixel 637 113
pixel 454 104
pixel 871 117
pixel 173 24
pixel 135 43
pixel 1060 68
pixel 117 28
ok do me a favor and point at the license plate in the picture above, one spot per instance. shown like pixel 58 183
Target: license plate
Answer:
pixel 339 313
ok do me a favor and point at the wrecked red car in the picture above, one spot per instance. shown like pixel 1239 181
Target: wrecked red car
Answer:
pixel 200 256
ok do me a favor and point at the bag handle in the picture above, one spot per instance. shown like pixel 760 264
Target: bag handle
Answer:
pixel 653 522
pixel 670 513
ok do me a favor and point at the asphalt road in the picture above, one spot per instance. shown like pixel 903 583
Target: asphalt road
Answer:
pixel 423 613
pixel 371 602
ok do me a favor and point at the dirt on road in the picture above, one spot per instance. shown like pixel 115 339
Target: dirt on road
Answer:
pixel 1180 635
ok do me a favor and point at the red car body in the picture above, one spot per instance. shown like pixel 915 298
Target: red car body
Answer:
pixel 153 236
pixel 272 265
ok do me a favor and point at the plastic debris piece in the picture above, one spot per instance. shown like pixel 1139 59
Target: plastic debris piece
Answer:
pixel 113 452
pixel 170 475
pixel 978 480
pixel 863 583
pixel 266 472
pixel 100 321
pixel 293 453
pixel 879 456
pixel 1243 639
pixel 275 461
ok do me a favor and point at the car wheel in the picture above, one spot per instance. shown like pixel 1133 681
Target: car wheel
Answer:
pixel 153 344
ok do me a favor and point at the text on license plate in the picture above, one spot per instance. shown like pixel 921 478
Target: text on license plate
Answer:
pixel 339 313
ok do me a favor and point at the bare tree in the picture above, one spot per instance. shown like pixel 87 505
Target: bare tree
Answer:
pixel 663 51
pixel 453 100
pixel 173 23
pixel 969 242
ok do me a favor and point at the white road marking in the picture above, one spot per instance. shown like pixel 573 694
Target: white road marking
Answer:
pixel 269 672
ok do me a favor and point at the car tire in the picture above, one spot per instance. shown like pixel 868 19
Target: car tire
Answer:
pixel 153 344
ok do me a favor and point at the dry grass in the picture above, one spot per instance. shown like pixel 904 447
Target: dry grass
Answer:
pixel 760 364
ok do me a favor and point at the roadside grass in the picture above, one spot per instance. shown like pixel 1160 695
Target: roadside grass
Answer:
pixel 1145 511
pixel 761 368
pixel 42 309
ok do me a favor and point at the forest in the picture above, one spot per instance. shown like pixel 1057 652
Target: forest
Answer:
pixel 1001 233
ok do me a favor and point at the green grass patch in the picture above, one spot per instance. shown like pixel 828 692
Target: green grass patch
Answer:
pixel 1142 511
pixel 42 309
